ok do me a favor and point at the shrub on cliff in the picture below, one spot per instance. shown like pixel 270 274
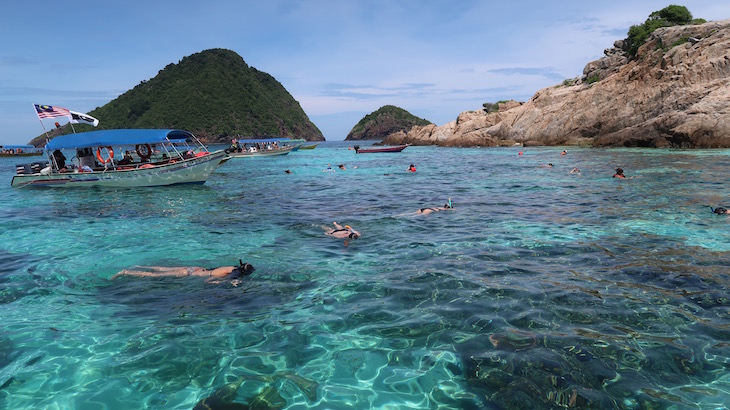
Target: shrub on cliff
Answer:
pixel 672 15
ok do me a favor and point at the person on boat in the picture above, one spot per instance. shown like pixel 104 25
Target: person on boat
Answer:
pixel 342 232
pixel 619 173
pixel 411 168
pixel 127 159
pixel 447 207
pixel 59 158
pixel 233 272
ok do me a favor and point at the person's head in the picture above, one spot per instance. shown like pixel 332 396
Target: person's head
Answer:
pixel 619 171
pixel 550 164
pixel 243 269
pixel 720 210
pixel 288 171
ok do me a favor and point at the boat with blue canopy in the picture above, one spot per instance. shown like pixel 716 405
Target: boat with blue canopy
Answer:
pixel 262 147
pixel 20 151
pixel 146 157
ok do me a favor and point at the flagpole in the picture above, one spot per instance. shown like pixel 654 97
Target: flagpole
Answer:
pixel 41 121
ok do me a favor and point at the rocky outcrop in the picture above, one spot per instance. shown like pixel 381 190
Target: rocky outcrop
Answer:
pixel 469 130
pixel 674 93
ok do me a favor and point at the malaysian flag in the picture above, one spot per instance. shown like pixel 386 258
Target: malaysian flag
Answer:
pixel 47 111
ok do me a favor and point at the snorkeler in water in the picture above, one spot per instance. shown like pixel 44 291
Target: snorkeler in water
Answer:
pixel 342 232
pixel 719 210
pixel 448 206
pixel 233 272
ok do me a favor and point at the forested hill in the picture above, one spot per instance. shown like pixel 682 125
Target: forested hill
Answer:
pixel 213 94
pixel 386 120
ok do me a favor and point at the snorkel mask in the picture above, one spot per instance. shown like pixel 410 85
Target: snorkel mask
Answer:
pixel 243 269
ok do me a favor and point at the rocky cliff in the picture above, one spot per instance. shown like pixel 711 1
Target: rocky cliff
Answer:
pixel 674 93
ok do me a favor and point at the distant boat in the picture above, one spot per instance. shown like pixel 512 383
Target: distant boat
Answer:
pixel 166 157
pixel 396 148
pixel 296 143
pixel 308 146
pixel 252 152
pixel 20 151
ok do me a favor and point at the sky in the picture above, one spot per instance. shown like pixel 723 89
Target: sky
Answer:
pixel 340 59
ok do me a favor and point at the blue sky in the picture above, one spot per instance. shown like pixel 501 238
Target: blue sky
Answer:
pixel 340 59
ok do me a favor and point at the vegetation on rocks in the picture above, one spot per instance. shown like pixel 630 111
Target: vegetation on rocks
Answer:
pixel 383 122
pixel 672 15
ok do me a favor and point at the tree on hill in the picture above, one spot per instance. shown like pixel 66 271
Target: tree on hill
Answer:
pixel 383 122
pixel 213 94
pixel 672 15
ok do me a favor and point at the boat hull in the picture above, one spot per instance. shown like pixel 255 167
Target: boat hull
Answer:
pixel 397 148
pixel 189 171
pixel 262 153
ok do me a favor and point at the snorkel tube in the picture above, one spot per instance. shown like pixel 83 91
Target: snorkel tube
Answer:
pixel 450 203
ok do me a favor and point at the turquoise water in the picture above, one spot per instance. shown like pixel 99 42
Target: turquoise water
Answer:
pixel 541 289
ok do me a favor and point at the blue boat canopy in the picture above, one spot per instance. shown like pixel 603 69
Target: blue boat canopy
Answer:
pixel 112 138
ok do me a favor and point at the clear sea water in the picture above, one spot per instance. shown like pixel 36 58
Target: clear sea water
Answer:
pixel 541 289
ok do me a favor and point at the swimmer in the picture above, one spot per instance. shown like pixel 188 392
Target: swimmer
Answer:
pixel 719 210
pixel 564 152
pixel 243 269
pixel 341 166
pixel 619 174
pixel 411 168
pixel 342 232
pixel 575 171
pixel 288 171
pixel 446 207
pixel 548 165
pixel 328 169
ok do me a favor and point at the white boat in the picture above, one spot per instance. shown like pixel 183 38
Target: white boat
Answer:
pixel 19 151
pixel 163 157
pixel 255 152
pixel 296 142
pixel 260 148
